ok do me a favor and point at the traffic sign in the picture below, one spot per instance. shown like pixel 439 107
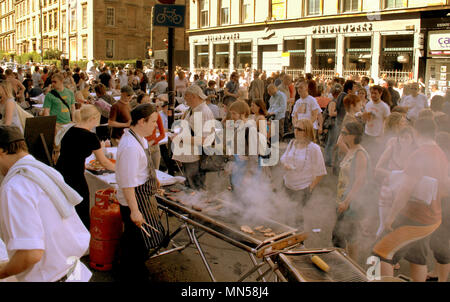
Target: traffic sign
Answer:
pixel 169 15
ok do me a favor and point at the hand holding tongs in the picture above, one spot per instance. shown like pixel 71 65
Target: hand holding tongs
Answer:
pixel 145 231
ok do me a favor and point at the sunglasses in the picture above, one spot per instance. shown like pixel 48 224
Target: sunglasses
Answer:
pixel 299 129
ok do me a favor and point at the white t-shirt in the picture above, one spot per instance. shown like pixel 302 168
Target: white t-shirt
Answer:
pixel 160 87
pixel 30 221
pixel 308 163
pixel 181 85
pixel 123 78
pixel 415 104
pixel 206 115
pixel 380 111
pixel 305 107
pixel 131 164
pixel 36 79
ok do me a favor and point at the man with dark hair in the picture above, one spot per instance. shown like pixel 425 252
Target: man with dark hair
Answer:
pixel 105 78
pixel 349 88
pixel 119 115
pixel 76 75
pixel 416 207
pixel 136 178
pixel 395 96
pixel 42 232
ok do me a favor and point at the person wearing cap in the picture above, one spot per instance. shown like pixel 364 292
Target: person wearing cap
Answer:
pixel 119 116
pixel 42 232
pixel 137 182
pixel 195 99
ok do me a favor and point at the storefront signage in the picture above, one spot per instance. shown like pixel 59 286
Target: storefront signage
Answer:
pixel 348 28
pixel 224 37
pixel 440 41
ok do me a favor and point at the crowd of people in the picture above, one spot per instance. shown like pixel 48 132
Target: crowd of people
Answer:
pixel 385 145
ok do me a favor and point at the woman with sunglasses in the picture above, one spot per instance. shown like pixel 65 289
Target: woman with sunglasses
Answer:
pixel 304 166
pixel 353 178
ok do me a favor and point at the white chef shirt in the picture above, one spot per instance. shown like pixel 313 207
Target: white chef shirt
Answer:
pixel 380 111
pixel 131 164
pixel 30 221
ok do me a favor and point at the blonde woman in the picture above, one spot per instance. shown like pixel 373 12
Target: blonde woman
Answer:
pixel 303 164
pixel 77 144
pixel 8 107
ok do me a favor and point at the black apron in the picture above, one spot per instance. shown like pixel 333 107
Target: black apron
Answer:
pixel 145 197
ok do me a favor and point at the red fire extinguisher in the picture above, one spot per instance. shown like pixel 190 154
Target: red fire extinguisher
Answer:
pixel 106 230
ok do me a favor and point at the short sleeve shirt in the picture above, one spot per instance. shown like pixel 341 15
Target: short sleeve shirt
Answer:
pixel 305 107
pixel 379 111
pixel 57 107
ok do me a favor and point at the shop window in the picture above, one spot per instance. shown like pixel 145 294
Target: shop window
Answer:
pixel 243 55
pixel 296 49
pixel 324 54
pixel 394 3
pixel 204 13
pixel 397 53
pixel 224 12
pixel 246 11
pixel 221 56
pixel 278 9
pixel 358 55
pixel 201 56
pixel 313 7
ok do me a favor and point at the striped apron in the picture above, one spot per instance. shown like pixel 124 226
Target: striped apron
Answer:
pixel 145 197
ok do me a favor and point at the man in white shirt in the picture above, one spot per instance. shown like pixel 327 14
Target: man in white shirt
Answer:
pixel 161 86
pixel 376 112
pixel 306 107
pixel 195 99
pixel 136 178
pixel 43 246
pixel 415 102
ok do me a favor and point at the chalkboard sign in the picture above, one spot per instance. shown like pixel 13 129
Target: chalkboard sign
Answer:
pixel 40 137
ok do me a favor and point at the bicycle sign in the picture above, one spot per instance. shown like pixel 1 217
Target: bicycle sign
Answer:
pixel 169 15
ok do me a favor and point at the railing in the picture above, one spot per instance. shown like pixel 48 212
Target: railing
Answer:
pixel 356 72
pixel 397 75
pixel 327 73
pixel 295 73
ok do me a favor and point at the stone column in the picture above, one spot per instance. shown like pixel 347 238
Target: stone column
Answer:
pixel 191 57
pixel 308 54
pixel 231 56
pixel 376 49
pixel 211 55
pixel 340 51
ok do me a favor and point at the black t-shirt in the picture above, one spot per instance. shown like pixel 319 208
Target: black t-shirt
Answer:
pixel 76 78
pixel 104 79
pixel 76 145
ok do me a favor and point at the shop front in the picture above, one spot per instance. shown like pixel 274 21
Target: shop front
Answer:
pixel 358 47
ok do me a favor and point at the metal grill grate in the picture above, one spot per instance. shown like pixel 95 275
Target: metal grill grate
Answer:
pixel 341 270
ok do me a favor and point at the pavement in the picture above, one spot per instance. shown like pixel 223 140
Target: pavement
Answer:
pixel 228 263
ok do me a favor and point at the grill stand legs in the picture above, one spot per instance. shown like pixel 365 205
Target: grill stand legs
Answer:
pixel 191 234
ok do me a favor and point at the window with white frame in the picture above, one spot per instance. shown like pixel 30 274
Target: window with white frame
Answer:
pixel 246 11
pixel 73 20
pixel 110 16
pixel 204 13
pixel 84 49
pixel 63 22
pixel 313 7
pixel 224 12
pixel 84 16
pixel 109 48
pixel 55 19
pixel 278 9
pixel 349 5
pixel 394 3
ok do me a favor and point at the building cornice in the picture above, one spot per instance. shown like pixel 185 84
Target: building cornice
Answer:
pixel 319 18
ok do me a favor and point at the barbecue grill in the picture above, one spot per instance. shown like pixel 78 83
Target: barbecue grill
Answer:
pixel 297 266
pixel 223 220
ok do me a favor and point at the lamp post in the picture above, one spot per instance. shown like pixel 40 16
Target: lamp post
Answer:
pixel 41 29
